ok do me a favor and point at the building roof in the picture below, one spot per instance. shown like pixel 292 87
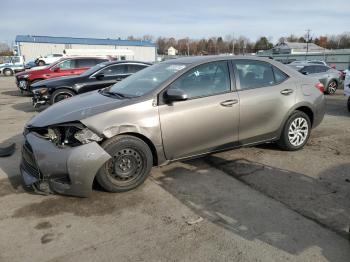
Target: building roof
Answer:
pixel 300 46
pixel 81 41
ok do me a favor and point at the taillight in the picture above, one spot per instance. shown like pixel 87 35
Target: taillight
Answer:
pixel 320 87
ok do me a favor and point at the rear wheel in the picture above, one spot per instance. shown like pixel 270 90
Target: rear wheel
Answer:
pixel 130 165
pixel 8 72
pixel 296 132
pixel 60 95
pixel 41 63
pixel 332 87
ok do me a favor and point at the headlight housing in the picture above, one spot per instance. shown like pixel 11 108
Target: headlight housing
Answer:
pixel 40 91
pixel 68 134
pixel 86 136
pixel 24 76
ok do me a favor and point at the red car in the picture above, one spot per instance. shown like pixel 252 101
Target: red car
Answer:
pixel 67 66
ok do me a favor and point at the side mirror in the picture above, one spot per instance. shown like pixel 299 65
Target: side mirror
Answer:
pixel 172 95
pixel 304 72
pixel 56 69
pixel 99 76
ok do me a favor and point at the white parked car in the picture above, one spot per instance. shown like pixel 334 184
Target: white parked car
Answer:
pixel 49 59
pixel 12 65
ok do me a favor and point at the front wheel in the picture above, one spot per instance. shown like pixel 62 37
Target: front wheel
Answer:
pixel 60 95
pixel 130 165
pixel 8 72
pixel 41 63
pixel 296 132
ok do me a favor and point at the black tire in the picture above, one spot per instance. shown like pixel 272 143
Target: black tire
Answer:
pixel 61 94
pixel 332 87
pixel 41 63
pixel 349 104
pixel 284 141
pixel 7 72
pixel 130 165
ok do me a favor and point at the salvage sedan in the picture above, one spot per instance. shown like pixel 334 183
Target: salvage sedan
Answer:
pixel 170 111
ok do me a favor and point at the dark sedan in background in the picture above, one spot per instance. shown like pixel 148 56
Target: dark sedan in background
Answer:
pixel 100 76
pixel 329 77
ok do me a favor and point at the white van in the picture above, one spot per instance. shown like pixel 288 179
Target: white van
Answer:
pixel 119 54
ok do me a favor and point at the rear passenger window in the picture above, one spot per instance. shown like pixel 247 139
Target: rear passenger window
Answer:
pixel 134 68
pixel 279 75
pixel 81 63
pixel 254 74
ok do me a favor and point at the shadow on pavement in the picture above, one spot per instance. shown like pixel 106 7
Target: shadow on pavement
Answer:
pixel 336 105
pixel 229 204
pixel 16 93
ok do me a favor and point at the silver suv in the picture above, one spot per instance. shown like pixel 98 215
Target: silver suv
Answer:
pixel 170 111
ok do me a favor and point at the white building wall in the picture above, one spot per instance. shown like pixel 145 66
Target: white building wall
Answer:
pixel 31 51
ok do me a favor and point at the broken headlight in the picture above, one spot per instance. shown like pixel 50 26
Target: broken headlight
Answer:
pixel 68 134
pixel 86 136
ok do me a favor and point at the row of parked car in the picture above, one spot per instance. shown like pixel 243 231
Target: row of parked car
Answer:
pixel 173 110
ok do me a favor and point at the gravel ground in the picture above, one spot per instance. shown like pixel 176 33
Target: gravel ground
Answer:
pixel 251 204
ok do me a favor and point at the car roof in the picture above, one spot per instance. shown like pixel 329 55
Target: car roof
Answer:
pixel 211 58
pixel 126 62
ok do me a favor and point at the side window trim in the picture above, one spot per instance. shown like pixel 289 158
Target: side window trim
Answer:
pixel 161 93
pixel 215 94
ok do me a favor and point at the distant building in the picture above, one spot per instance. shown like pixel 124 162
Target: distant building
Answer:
pixel 172 51
pixel 296 48
pixel 31 46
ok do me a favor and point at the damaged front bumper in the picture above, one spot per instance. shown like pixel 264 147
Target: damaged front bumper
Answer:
pixel 47 168
pixel 39 100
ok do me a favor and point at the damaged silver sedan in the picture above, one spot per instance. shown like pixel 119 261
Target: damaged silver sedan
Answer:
pixel 173 110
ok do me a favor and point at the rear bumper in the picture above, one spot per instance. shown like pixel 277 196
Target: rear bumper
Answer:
pixel 319 111
pixel 70 171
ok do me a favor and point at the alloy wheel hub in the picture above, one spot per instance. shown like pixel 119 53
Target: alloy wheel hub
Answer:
pixel 298 131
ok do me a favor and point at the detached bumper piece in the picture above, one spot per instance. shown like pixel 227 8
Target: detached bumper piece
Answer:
pixel 39 100
pixel 47 168
pixel 7 151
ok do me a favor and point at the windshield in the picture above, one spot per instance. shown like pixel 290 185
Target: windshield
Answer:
pixel 94 69
pixel 146 80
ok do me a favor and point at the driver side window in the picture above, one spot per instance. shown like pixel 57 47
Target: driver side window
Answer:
pixel 204 80
pixel 66 65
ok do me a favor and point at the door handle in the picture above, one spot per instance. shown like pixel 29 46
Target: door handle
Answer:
pixel 229 102
pixel 287 92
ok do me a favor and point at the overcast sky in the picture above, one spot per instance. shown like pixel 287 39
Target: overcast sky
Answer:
pixel 178 18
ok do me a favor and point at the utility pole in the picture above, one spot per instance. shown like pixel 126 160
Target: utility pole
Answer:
pixel 307 42
pixel 233 44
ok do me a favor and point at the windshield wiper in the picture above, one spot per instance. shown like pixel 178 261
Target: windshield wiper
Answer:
pixel 115 94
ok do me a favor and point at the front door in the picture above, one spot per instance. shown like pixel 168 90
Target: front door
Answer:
pixel 208 120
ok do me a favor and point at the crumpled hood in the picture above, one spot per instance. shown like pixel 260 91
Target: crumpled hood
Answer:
pixel 57 81
pixel 76 109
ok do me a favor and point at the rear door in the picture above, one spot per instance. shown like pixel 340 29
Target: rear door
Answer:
pixel 208 120
pixel 266 95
